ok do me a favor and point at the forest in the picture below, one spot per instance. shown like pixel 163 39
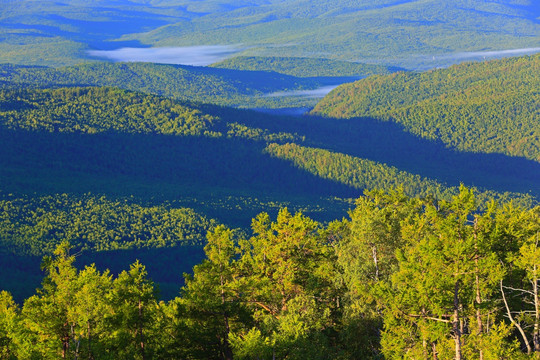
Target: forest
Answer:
pixel 401 277
pixel 202 84
pixel 214 198
pixel 89 153
pixel 304 67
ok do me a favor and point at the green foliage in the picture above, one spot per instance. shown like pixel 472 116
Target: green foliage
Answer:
pixel 442 297
pixel 479 107
pixel 96 110
pixel 210 307
pixel 302 67
pixel 49 315
pixel 133 298
pixel 402 278
pixel 9 316
pixel 394 32
pixel 36 226
pixel 288 269
pixel 88 314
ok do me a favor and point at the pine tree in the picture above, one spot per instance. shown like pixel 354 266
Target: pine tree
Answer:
pixel 132 325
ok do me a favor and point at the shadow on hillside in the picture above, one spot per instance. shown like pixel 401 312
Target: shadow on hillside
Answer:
pixel 389 143
pixel 150 165
pixel 21 275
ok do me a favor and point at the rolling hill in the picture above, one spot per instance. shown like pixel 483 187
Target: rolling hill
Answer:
pixel 407 33
pixel 490 107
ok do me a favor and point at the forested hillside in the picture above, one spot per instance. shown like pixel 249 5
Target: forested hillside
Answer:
pixel 172 188
pixel 109 232
pixel 366 174
pixel 131 167
pixel 490 107
pixel 105 136
pixel 211 85
pixel 401 278
pixel 358 30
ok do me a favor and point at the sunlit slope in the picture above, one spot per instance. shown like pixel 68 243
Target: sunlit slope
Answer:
pixel 491 107
pixel 216 160
pixel 120 143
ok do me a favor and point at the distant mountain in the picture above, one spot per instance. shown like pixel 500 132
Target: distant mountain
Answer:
pixel 490 107
pixel 410 33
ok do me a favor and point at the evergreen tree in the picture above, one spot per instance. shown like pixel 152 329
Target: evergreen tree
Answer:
pixel 289 270
pixel 435 301
pixel 367 257
pixel 48 315
pixel 132 325
pixel 210 307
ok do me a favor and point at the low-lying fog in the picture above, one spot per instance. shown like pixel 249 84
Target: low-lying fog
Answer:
pixel 188 55
pixel 489 54
pixel 315 93
pixel 427 62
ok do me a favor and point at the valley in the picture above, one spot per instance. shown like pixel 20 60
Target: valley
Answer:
pixel 269 179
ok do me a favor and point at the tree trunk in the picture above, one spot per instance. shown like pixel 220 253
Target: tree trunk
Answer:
pixel 456 323
pixel 434 351
pixel 479 325
pixel 65 340
pixel 227 351
pixel 514 322
pixel 89 334
pixel 141 335
pixel 375 262
pixel 536 334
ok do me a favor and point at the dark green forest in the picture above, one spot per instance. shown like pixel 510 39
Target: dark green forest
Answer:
pixel 399 278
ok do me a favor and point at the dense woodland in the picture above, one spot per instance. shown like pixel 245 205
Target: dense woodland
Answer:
pixel 79 164
pixel 303 67
pixel 81 127
pixel 487 107
pixel 400 278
